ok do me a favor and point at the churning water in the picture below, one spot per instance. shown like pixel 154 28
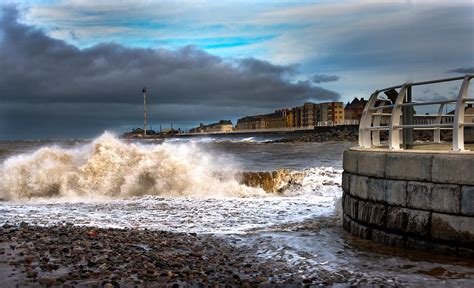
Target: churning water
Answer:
pixel 194 185
pixel 177 185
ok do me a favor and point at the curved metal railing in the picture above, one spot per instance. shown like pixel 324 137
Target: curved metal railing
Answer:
pixel 378 109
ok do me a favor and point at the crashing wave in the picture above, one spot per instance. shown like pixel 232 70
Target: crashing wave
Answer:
pixel 110 168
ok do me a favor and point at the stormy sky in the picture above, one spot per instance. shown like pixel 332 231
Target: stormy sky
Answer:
pixel 72 69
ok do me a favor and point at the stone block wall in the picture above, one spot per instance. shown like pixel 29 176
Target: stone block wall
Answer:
pixel 411 199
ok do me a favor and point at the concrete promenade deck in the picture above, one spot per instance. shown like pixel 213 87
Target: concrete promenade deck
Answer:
pixel 421 148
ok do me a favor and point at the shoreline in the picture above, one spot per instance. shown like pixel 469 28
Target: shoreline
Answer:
pixel 69 255
pixel 82 256
pixel 282 131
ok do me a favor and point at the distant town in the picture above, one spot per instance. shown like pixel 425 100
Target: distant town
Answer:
pixel 303 117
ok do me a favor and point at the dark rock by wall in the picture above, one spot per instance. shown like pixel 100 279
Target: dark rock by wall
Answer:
pixel 272 181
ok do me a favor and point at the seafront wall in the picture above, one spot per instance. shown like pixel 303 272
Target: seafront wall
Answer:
pixel 412 199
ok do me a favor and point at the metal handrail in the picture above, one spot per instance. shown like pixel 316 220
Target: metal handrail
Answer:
pixel 369 127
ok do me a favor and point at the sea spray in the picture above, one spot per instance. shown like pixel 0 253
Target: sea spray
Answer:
pixel 109 167
pixel 168 186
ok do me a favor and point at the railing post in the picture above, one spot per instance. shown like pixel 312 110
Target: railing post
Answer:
pixel 437 131
pixel 394 130
pixel 407 116
pixel 366 122
pixel 458 124
pixel 377 122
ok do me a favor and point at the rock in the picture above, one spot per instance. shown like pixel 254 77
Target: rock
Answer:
pixel 31 273
pixel 47 281
pixel 28 260
pixel 23 225
pixel 91 233
pixel 272 182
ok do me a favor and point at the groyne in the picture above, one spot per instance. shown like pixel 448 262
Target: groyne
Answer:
pixel 421 200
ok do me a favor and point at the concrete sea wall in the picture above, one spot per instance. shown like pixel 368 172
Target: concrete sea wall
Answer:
pixel 412 199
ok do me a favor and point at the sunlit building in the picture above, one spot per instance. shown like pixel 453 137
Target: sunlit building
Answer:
pixel 277 120
pixel 222 126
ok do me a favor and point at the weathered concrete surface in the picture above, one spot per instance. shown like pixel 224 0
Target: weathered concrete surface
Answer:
pixel 434 197
pixel 387 238
pixel 452 168
pixel 349 162
pixel 419 195
pixel 408 221
pixel 396 192
pixel 467 200
pixel 346 180
pixel 446 198
pixel 358 186
pixel 420 200
pixel 359 230
pixel 371 164
pixel 416 167
pixel 452 228
pixel 350 206
pixel 376 189
pixel 373 214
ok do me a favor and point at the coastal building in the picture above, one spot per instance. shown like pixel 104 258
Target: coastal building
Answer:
pixel 353 110
pixel 138 133
pixel 251 123
pixel 318 114
pixel 329 114
pixel 308 115
pixel 221 126
pixel 282 118
pixel 469 114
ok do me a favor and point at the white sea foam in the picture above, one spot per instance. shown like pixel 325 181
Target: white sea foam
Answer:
pixel 167 186
pixel 313 199
pixel 109 167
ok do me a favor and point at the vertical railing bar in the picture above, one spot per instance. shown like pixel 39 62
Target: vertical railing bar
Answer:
pixel 368 138
pixel 377 121
pixel 437 131
pixel 458 128
pixel 366 121
pixel 394 133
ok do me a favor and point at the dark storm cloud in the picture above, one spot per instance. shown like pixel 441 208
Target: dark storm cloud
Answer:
pixel 463 70
pixel 37 69
pixel 411 37
pixel 321 78
pixel 260 67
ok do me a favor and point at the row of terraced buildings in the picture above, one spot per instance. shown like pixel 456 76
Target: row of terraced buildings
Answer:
pixel 307 116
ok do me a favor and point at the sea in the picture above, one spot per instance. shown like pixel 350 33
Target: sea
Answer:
pixel 192 184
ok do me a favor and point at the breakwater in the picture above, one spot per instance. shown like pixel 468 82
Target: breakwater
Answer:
pixel 418 200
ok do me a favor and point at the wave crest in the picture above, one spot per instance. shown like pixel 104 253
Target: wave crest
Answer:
pixel 108 167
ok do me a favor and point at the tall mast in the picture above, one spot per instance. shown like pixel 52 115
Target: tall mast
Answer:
pixel 144 112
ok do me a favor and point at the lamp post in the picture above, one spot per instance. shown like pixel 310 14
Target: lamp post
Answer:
pixel 144 112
